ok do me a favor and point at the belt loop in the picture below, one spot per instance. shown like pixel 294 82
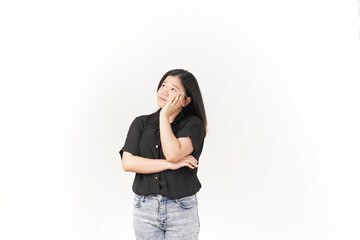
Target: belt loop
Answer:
pixel 143 198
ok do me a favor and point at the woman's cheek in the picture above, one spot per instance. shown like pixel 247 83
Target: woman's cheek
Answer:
pixel 172 96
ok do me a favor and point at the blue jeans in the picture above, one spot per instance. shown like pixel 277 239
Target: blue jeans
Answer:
pixel 159 217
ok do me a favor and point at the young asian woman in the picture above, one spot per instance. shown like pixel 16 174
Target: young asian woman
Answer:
pixel 163 149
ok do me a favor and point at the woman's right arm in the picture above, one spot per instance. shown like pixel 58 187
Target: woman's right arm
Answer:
pixel 131 163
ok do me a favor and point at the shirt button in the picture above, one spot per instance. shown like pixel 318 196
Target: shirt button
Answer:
pixel 156 177
pixel 157 146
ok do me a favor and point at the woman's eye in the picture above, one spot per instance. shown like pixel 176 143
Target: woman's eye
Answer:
pixel 173 89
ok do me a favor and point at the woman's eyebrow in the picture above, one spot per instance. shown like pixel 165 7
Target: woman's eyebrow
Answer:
pixel 173 85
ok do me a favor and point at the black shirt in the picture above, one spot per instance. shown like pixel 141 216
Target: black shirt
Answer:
pixel 143 140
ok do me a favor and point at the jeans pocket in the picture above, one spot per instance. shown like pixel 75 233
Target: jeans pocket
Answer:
pixel 137 201
pixel 188 202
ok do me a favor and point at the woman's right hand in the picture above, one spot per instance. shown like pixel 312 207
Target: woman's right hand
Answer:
pixel 187 161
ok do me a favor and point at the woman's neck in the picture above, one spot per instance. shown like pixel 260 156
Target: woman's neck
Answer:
pixel 173 116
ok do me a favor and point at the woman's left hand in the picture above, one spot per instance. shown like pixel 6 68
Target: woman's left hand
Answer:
pixel 173 105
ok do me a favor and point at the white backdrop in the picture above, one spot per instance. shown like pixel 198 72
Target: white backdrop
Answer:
pixel 280 83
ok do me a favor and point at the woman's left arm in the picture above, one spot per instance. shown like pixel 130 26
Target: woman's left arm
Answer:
pixel 173 148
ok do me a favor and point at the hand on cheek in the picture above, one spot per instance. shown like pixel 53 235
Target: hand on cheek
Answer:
pixel 175 103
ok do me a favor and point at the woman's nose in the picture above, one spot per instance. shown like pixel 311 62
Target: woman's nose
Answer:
pixel 165 92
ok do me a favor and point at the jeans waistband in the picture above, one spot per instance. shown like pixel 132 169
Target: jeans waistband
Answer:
pixel 160 197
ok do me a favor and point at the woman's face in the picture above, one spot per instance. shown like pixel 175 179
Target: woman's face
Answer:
pixel 170 87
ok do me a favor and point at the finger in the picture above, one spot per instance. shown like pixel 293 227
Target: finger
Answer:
pixel 191 166
pixel 176 103
pixel 179 99
pixel 182 98
pixel 193 163
pixel 176 99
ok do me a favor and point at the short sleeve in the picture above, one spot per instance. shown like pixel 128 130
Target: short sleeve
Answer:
pixel 193 128
pixel 133 138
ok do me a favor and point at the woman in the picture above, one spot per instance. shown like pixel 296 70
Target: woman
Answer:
pixel 163 149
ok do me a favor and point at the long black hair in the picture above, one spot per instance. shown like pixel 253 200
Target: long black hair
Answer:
pixel 196 106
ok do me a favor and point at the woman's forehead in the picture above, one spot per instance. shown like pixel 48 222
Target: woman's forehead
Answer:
pixel 175 81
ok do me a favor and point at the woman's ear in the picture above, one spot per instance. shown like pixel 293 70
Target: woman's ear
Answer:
pixel 187 101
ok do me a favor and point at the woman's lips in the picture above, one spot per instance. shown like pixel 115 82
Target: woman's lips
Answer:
pixel 162 99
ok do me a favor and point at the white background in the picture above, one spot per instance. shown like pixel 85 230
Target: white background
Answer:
pixel 280 83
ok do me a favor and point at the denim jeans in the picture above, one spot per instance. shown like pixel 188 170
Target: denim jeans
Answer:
pixel 159 217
